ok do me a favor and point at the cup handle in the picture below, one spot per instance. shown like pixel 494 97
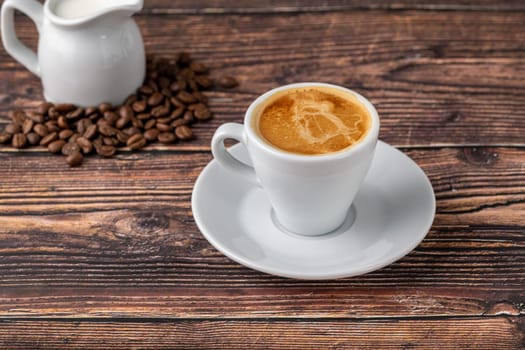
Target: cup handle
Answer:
pixel 233 131
pixel 13 46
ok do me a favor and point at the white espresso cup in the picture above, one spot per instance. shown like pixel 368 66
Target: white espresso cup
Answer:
pixel 310 194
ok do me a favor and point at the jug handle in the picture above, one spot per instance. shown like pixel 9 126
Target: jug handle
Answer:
pixel 13 46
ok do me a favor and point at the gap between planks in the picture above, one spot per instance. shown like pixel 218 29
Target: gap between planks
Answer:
pixel 261 318
pixel 314 9
pixel 192 149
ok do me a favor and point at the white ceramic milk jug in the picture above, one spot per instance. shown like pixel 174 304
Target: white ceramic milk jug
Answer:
pixel 89 51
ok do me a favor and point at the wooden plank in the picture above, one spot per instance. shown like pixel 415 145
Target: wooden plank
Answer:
pixel 117 238
pixel 466 333
pixel 437 79
pixel 469 183
pixel 289 6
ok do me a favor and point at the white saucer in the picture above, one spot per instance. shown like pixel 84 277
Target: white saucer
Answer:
pixel 391 215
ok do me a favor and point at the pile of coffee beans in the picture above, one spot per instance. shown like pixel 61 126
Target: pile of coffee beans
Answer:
pixel 162 110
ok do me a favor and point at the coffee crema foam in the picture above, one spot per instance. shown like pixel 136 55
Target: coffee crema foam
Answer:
pixel 313 120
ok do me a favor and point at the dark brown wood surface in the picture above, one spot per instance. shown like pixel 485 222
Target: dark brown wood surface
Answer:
pixel 108 255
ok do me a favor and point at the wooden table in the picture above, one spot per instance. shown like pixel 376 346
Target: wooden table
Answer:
pixel 108 255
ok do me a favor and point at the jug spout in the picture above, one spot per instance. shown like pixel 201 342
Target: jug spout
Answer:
pixel 125 7
pixel 75 12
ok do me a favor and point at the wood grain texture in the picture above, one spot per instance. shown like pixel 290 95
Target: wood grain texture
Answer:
pixel 466 333
pixel 437 78
pixel 128 246
pixel 294 6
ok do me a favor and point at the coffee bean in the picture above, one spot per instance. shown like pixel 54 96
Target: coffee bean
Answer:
pixel 106 151
pixel 98 141
pixel 82 125
pixel 33 138
pixel 138 144
pixel 75 114
pixel 137 123
pixel 194 106
pixel 110 141
pixel 133 139
pixel 85 145
pixel 163 127
pixel 90 131
pixel 56 146
pixel 43 108
pixel 165 120
pixel 101 121
pixel 13 128
pixel 177 112
pixel 200 96
pixel 179 85
pixel 166 138
pixel 69 148
pixel 193 85
pixel 150 124
pixel 151 134
pixel 227 82
pixel 139 106
pixel 36 117
pixel 52 126
pixel 106 129
pixel 176 103
pixel 160 111
pixel 187 74
pixel 41 130
pixel 178 122
pixel 203 81
pixel 105 107
pixel 17 116
pixel 186 97
pixel 62 122
pixel 198 68
pixel 143 116
pixel 121 123
pixel 126 112
pixel 131 131
pixel 85 123
pixel 155 99
pixel 74 138
pixel 152 83
pixel 202 113
pixel 65 134
pixel 74 159
pixel 90 111
pixel 46 140
pixel 122 137
pixel 53 113
pixel 5 137
pixel 163 82
pixel 94 117
pixel 64 107
pixel 130 100
pixel 166 92
pixel 146 90
pixel 188 118
pixel 19 140
pixel 111 117
pixel 183 132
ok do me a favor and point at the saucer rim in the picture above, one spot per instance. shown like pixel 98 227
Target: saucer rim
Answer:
pixel 317 276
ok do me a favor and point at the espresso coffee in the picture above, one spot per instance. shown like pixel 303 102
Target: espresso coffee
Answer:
pixel 313 120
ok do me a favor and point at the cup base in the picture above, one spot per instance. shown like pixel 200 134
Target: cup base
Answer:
pixel 344 227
